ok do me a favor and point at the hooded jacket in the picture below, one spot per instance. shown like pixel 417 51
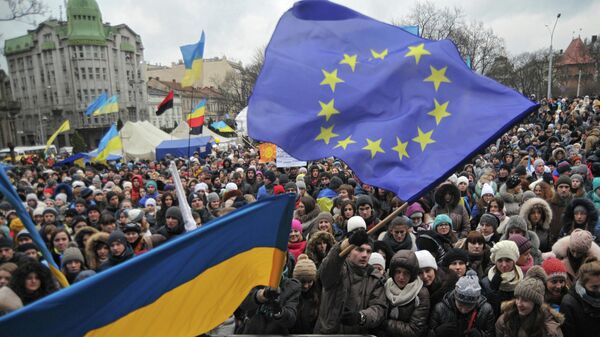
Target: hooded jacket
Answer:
pixel 446 312
pixel 311 246
pixel 569 214
pixel 540 231
pixel 91 257
pixel 551 324
pixel 456 211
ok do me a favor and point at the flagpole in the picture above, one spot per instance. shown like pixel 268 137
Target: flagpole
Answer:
pixel 121 135
pixel 190 133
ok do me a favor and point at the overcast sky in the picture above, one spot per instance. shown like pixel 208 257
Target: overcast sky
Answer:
pixel 237 28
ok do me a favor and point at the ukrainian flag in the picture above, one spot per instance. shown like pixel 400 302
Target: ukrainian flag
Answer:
pixel 185 287
pixel 109 143
pixel 110 106
pixel 96 105
pixel 192 58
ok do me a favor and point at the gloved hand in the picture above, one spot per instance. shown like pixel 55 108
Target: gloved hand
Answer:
pixel 474 333
pixel 271 294
pixel 276 310
pixel 358 237
pixel 446 329
pixel 350 318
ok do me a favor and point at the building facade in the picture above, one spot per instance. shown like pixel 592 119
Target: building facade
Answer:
pixel 9 109
pixel 214 71
pixel 59 68
pixel 577 71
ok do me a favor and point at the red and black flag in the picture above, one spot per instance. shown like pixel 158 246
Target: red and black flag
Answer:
pixel 166 104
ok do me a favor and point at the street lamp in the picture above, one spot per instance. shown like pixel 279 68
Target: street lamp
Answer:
pixel 549 94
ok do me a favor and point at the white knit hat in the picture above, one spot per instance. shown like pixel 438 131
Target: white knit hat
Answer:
pixel 426 260
pixel 356 222
pixel 505 249
pixel 377 258
pixel 230 187
pixel 487 189
pixel 462 179
pixel 200 187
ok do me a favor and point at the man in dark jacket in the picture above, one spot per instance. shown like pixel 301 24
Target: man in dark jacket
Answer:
pixel 463 312
pixel 174 225
pixel 353 297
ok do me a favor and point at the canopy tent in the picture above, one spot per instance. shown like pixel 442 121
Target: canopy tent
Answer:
pixel 182 131
pixel 242 122
pixel 179 147
pixel 140 140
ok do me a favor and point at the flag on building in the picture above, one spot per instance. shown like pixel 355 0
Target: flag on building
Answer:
pixel 185 287
pixel 10 195
pixel 109 143
pixel 403 112
pixel 97 104
pixel 65 126
pixel 110 106
pixel 166 104
pixel 192 59
pixel 195 119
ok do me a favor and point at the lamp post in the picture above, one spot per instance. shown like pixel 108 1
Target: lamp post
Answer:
pixel 549 94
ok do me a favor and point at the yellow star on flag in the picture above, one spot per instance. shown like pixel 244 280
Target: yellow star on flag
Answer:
pixel 437 77
pixel 349 60
pixel 417 52
pixel 331 79
pixel 381 55
pixel 439 112
pixel 424 139
pixel 327 110
pixel 374 147
pixel 401 148
pixel 326 134
pixel 344 143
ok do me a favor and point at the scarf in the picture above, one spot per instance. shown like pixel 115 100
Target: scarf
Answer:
pixel 527 265
pixel 509 279
pixel 400 297
pixel 582 292
pixel 395 245
pixel 296 248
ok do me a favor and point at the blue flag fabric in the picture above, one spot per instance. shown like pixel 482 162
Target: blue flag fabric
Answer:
pixel 97 104
pixel 401 111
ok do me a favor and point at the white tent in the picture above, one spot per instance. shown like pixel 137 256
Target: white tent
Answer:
pixel 242 122
pixel 140 140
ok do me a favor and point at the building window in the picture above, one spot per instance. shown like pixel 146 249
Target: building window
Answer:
pixel 47 36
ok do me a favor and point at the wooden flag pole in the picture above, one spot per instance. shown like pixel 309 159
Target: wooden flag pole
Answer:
pixel 381 223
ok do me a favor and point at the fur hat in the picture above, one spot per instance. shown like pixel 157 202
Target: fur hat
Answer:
pixel 356 222
pixel 554 268
pixel 377 258
pixel 305 269
pixel 71 254
pixel 425 259
pixel 467 289
pixel 533 287
pixel 505 249
pixel 580 241
pixel 523 243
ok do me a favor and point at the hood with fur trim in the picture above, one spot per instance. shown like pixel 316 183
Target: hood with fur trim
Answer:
pixel 442 190
pixel 592 214
pixel 559 249
pixel 543 205
pixel 90 253
pixel 311 246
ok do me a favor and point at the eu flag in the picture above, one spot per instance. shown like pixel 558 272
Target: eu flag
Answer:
pixel 401 111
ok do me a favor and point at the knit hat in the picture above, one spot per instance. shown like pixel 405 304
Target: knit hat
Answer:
pixel 516 221
pixel 467 289
pixel 504 249
pixel 377 258
pixel 305 269
pixel 71 254
pixel 230 187
pixel 212 197
pixel 270 175
pixel 554 268
pixel 31 196
pixel 577 177
pixel 38 211
pixel 135 215
pixel 6 242
pixel 405 259
pixel 364 200
pixel 426 260
pixel 127 184
pixel 278 189
pixel 490 219
pixel 513 181
pixel 563 179
pixel 86 192
pixel 118 236
pixel 415 209
pixel 580 241
pixel 78 183
pixel 441 218
pixel 16 225
pixel 132 227
pixel 61 196
pixel 401 221
pixel 487 189
pixel 27 246
pixel 50 210
pixel 356 222
pixel 533 287
pixel 23 233
pixel 200 187
pixel 523 243
pixel 174 212
pixel 455 254
pixel 324 216
pixel 150 201
pixel 151 183
pixel 538 162
pixel 297 225
pixel 462 179
pixel 290 186
pixel 301 185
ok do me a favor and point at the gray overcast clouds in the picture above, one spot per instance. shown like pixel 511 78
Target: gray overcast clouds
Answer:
pixel 236 28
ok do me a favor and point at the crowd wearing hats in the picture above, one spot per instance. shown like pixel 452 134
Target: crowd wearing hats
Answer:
pixel 507 245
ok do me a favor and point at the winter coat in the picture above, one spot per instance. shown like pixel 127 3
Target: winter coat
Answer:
pixel 311 246
pixel 568 217
pixel 550 328
pixel 446 312
pixel 444 282
pixel 91 258
pixel 308 310
pixel 495 296
pixel 259 316
pixel 558 207
pixel 581 318
pixel 560 248
pixel 411 318
pixel 352 288
pixel 535 244
pixel 541 231
pixel 455 210
pixel 512 202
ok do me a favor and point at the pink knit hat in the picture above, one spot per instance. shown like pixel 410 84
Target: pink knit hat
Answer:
pixel 297 225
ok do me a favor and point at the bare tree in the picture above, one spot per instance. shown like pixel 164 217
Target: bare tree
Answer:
pixel 434 23
pixel 19 9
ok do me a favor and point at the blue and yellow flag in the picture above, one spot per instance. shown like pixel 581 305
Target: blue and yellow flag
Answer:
pixel 96 105
pixel 10 195
pixel 192 59
pixel 110 142
pixel 403 112
pixel 185 287
pixel 111 105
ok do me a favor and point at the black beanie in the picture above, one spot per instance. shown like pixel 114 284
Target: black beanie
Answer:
pixel 175 212
pixel 455 254
pixel 117 236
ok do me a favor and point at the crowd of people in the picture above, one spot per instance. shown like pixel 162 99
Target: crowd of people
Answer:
pixel 506 246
